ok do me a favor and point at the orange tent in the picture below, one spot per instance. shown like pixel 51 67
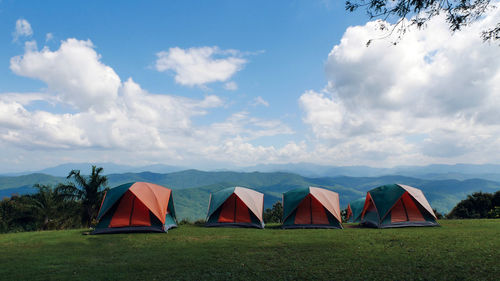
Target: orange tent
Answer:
pixel 134 207
pixel 311 207
pixel 397 205
pixel 236 206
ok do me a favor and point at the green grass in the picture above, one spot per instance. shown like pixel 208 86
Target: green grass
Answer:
pixel 459 250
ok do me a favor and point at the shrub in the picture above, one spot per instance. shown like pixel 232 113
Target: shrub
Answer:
pixel 475 206
pixel 275 214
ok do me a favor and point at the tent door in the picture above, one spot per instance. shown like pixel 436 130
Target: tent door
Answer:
pixel 130 212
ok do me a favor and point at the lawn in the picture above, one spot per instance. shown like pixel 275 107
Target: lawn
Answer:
pixel 460 249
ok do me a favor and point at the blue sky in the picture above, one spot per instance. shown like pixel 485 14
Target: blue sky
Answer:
pixel 219 84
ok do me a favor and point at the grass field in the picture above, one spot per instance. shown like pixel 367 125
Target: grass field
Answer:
pixel 459 250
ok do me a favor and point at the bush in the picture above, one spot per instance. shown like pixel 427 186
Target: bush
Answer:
pixel 184 221
pixel 343 215
pixel 199 222
pixel 275 214
pixel 439 216
pixel 475 206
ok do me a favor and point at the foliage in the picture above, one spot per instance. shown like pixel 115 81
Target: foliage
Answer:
pixel 459 250
pixel 15 215
pixel 494 213
pixel 459 13
pixel 438 214
pixel 51 210
pixel 90 192
pixel 44 210
pixel 343 215
pixel 184 221
pixel 274 214
pixel 477 205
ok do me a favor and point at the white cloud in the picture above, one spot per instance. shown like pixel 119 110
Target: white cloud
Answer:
pixel 23 29
pixel 244 126
pixel 231 86
pixel 74 72
pixel 49 37
pixel 101 118
pixel 260 101
pixel 443 87
pixel 199 66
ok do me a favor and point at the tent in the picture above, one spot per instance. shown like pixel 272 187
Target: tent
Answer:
pixel 236 207
pixel 354 210
pixel 136 207
pixel 311 207
pixel 397 205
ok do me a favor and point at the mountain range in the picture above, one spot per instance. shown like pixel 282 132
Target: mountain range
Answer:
pixel 191 188
pixel 431 172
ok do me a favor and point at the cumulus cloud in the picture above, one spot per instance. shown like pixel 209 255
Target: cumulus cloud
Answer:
pixel 199 66
pixel 103 118
pixel 23 29
pixel 442 87
pixel 74 72
pixel 135 119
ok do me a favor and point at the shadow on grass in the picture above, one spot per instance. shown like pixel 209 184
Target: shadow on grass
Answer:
pixel 353 226
pixel 274 226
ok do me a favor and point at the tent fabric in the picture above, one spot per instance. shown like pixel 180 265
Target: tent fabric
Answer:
pixel 111 197
pixel 234 210
pixel 310 211
pixel 419 196
pixel 153 196
pixel 292 199
pixel 329 199
pixel 253 199
pixel 311 207
pixel 217 199
pixel 236 207
pixel 354 210
pixel 136 207
pixel 397 205
pixel 385 196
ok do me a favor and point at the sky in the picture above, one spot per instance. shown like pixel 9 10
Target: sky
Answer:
pixel 224 84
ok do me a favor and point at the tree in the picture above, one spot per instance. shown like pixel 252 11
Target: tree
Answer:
pixel 50 209
pixel 90 192
pixel 459 13
pixel 439 216
pixel 16 214
pixel 475 206
pixel 275 214
pixel 45 205
pixel 343 215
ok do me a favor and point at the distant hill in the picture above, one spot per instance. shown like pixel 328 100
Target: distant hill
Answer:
pixel 109 168
pixel 433 172
pixel 311 170
pixel 28 180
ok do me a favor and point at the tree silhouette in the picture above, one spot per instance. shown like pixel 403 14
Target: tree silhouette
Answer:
pixel 89 190
pixel 459 13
